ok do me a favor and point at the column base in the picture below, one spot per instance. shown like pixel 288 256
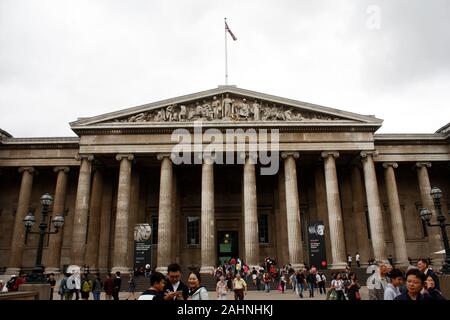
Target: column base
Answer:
pixel 55 271
pixel 122 270
pixel 338 266
pixel 103 270
pixel 12 271
pixel 401 264
pixel 207 270
pixel 163 270
pixel 298 266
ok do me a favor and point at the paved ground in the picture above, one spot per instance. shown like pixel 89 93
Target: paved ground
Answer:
pixel 253 295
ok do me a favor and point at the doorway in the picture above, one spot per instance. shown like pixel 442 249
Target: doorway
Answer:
pixel 227 246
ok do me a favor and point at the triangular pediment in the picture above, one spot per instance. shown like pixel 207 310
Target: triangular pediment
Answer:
pixel 225 105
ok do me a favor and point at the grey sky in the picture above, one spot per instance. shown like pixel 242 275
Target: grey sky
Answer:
pixel 62 59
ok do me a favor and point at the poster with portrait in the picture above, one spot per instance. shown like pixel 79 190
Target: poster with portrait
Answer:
pixel 316 245
pixel 142 245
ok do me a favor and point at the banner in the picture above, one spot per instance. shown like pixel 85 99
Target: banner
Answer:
pixel 316 245
pixel 142 245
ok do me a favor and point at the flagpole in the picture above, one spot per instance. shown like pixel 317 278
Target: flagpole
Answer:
pixel 226 54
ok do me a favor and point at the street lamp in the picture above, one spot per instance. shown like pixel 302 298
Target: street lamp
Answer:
pixel 37 275
pixel 425 215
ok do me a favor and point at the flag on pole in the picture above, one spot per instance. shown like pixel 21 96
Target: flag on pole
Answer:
pixel 229 31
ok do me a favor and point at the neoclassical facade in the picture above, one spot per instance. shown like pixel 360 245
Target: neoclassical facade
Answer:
pixel 366 188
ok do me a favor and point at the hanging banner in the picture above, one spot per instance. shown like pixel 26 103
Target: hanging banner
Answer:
pixel 142 245
pixel 316 244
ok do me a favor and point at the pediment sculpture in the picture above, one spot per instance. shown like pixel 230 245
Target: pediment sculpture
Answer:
pixel 226 109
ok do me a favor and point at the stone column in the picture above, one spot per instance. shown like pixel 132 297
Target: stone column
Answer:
pixel 434 236
pixel 123 209
pixel 208 230
pixel 93 236
pixel 55 243
pixel 133 214
pixel 81 210
pixel 294 230
pixel 359 214
pixel 164 251
pixel 335 221
pixel 373 204
pixel 105 226
pixel 398 233
pixel 250 214
pixel 18 235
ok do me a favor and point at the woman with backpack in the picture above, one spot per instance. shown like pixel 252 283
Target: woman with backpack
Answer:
pixel 86 287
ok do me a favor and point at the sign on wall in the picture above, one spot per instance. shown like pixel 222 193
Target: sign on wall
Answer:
pixel 142 245
pixel 316 245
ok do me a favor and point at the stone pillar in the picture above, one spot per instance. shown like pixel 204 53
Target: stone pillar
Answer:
pixel 93 236
pixel 250 214
pixel 398 233
pixel 164 251
pixel 359 215
pixel 18 235
pixel 208 230
pixel 105 226
pixel 335 221
pixel 434 236
pixel 81 210
pixel 373 204
pixel 55 243
pixel 123 209
pixel 281 221
pixel 133 214
pixel 294 230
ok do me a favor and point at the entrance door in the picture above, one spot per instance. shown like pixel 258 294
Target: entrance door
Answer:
pixel 227 245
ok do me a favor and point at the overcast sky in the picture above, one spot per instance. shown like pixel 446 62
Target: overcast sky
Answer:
pixel 62 59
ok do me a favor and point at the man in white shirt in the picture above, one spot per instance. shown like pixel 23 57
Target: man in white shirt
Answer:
pixel 358 259
pixel 377 282
pixel 349 260
pixel 393 288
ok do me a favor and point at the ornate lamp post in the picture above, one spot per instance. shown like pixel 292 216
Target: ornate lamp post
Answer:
pixel 425 214
pixel 37 275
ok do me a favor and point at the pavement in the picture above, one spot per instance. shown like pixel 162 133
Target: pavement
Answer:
pixel 251 295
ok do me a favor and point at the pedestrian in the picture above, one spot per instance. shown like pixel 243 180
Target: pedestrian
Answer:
pixel 358 260
pixel 377 282
pixel 424 267
pixel 415 280
pixel 300 283
pixel 86 287
pixel 430 291
pixel 254 275
pixel 97 286
pixel 349 260
pixel 175 284
pixel 108 286
pixel 196 290
pixel 221 289
pixel 391 260
pixel 62 289
pixel 156 290
pixel 311 280
pixel 131 287
pixel 266 280
pixel 283 282
pixel 353 288
pixel 51 280
pixel 293 281
pixel 337 284
pixel 117 284
pixel 258 280
pixel 239 288
pixel 393 288
pixel 321 281
pixel 74 285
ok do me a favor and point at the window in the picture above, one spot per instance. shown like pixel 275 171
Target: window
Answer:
pixel 263 228
pixel 192 230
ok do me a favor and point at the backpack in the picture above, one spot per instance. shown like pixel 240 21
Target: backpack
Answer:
pixel 86 286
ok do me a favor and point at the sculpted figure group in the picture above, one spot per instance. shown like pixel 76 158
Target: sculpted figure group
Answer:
pixel 229 109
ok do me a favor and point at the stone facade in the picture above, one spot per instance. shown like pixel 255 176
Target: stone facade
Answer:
pixel 118 172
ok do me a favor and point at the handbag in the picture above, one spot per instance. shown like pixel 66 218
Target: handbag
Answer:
pixel 357 295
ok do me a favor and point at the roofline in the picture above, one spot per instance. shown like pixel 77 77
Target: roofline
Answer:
pixel 222 90
pixel 4 133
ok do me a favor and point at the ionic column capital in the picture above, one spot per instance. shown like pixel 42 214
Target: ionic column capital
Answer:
pixel 390 164
pixel 127 156
pixel 326 154
pixel 64 169
pixel 161 156
pixel 423 164
pixel 29 169
pixel 365 154
pixel 88 157
pixel 286 155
